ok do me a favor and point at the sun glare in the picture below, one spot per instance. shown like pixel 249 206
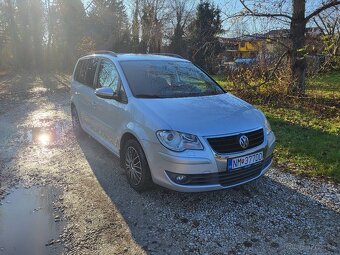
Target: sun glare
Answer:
pixel 44 138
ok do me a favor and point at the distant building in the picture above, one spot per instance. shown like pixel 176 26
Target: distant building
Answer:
pixel 257 46
pixel 246 47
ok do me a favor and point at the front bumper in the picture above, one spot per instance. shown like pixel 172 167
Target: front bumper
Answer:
pixel 206 168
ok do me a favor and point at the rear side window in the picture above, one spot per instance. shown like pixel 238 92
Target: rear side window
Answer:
pixel 77 71
pixel 91 71
pixel 80 71
pixel 85 71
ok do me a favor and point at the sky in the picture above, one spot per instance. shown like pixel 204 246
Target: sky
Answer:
pixel 224 5
pixel 248 25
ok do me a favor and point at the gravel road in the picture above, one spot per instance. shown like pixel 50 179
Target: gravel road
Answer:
pixel 278 213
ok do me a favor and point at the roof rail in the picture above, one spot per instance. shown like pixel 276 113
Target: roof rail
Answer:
pixel 168 54
pixel 103 52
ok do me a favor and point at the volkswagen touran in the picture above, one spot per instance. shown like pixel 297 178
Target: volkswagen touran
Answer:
pixel 169 122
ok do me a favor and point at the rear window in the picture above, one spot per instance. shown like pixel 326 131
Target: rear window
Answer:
pixel 85 71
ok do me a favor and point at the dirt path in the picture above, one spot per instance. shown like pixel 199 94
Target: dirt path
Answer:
pixel 278 213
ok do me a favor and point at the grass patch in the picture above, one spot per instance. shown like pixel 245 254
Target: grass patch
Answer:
pixel 307 131
pixel 305 144
pixel 325 85
pixel 222 81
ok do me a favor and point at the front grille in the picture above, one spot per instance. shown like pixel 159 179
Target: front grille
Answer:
pixel 228 144
pixel 227 178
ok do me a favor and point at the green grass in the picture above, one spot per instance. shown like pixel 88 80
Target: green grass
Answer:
pixel 326 85
pixel 308 137
pixel 222 81
pixel 306 144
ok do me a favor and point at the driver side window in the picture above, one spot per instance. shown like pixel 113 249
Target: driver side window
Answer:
pixel 108 75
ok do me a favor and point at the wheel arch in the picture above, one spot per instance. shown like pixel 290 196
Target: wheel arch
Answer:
pixel 129 134
pixel 125 137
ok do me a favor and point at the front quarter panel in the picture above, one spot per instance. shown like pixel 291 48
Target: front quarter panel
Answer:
pixel 141 123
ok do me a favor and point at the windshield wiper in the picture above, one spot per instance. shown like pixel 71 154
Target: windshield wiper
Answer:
pixel 148 96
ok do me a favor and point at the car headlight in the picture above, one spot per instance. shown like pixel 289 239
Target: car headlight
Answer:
pixel 268 127
pixel 177 141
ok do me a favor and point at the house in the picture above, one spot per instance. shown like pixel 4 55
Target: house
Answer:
pixel 260 46
pixel 245 47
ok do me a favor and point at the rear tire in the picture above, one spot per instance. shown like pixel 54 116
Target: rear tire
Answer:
pixel 136 166
pixel 77 129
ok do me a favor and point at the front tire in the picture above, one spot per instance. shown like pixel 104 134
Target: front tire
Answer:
pixel 136 166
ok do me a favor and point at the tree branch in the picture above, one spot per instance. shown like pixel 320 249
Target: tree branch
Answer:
pixel 321 9
pixel 322 29
pixel 257 14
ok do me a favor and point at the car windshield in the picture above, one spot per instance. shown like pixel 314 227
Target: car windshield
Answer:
pixel 168 79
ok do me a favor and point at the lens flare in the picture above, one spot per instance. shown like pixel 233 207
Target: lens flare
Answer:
pixel 44 138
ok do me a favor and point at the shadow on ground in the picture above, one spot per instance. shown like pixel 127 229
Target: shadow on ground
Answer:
pixel 262 215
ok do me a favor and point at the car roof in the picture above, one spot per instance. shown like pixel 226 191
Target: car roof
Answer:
pixel 131 57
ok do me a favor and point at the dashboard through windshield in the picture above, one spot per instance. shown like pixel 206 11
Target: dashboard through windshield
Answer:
pixel 168 79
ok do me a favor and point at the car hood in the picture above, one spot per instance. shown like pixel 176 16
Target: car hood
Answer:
pixel 205 116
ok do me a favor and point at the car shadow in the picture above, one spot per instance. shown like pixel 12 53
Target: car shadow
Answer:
pixel 264 215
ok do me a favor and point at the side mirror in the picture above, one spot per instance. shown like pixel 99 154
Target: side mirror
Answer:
pixel 107 93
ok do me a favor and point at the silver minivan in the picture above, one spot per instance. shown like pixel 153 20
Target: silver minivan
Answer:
pixel 169 122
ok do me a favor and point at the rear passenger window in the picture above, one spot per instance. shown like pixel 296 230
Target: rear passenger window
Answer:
pixel 85 71
pixel 91 71
pixel 78 71
pixel 82 71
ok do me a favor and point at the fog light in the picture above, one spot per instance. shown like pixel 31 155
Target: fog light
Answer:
pixel 181 178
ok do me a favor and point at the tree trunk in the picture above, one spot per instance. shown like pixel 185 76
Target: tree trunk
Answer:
pixel 298 61
pixel 16 50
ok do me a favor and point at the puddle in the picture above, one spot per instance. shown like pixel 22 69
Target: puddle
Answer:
pixel 28 222
pixel 46 135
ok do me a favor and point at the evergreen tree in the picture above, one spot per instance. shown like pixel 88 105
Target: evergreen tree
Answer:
pixel 182 15
pixel 152 28
pixel 147 26
pixel 25 19
pixel 70 30
pixel 10 41
pixel 108 25
pixel 178 43
pixel 135 29
pixel 204 45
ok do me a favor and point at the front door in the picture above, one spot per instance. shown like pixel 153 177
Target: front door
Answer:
pixel 109 112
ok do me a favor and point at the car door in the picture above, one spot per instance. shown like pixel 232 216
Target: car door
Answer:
pixel 86 95
pixel 110 113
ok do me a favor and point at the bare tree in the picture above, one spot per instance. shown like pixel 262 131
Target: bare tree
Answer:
pixel 328 23
pixel 294 13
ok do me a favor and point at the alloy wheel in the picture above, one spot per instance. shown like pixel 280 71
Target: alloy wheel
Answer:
pixel 133 165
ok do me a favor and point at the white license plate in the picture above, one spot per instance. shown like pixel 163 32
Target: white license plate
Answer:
pixel 245 160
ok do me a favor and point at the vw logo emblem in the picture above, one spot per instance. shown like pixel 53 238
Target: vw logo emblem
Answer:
pixel 244 142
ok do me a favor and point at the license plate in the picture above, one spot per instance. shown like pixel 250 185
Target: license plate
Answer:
pixel 245 161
